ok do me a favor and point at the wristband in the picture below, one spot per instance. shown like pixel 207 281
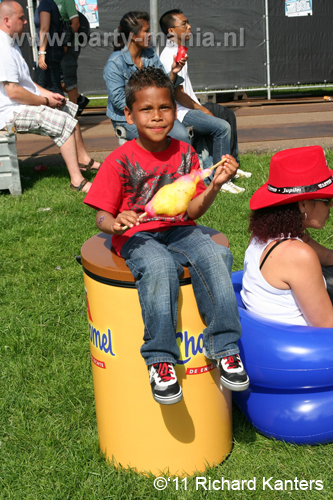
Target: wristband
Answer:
pixel 47 101
pixel 41 53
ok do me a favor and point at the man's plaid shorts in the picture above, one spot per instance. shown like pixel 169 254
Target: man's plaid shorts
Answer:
pixel 42 120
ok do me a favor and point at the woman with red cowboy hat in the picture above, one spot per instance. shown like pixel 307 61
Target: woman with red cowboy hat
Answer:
pixel 283 275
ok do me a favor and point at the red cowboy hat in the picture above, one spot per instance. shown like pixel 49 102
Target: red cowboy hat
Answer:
pixel 295 174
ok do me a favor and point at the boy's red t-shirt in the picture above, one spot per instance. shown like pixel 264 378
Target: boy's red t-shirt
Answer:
pixel 130 176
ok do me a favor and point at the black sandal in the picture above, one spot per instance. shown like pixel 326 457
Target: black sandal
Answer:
pixel 80 187
pixel 87 168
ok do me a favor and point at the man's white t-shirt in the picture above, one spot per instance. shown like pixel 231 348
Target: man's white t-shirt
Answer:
pixel 167 59
pixel 13 68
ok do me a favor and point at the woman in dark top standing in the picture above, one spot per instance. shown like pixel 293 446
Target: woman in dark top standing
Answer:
pixel 50 50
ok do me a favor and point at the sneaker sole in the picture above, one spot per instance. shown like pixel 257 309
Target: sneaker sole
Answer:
pixel 170 400
pixel 234 386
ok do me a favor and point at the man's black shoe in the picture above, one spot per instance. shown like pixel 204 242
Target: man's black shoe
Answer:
pixel 82 102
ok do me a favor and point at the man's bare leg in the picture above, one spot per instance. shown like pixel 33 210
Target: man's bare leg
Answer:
pixel 69 154
pixel 82 154
pixel 73 95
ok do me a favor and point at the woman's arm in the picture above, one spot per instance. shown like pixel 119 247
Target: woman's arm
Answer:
pixel 295 265
pixel 325 255
pixel 308 286
pixel 45 21
pixel 115 83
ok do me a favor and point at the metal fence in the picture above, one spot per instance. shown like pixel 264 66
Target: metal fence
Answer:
pixel 235 45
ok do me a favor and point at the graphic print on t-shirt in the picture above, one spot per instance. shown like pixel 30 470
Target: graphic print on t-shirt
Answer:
pixel 141 185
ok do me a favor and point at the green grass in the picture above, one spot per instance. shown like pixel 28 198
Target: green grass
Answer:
pixel 97 102
pixel 294 91
pixel 48 435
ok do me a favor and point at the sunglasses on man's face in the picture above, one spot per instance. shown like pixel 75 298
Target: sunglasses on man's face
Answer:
pixel 327 201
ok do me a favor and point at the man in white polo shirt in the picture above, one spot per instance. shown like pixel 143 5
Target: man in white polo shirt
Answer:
pixel 33 109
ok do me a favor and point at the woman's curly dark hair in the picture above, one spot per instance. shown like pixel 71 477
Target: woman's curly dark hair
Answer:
pixel 272 222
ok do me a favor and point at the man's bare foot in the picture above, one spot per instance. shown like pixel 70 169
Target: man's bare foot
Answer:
pixel 86 187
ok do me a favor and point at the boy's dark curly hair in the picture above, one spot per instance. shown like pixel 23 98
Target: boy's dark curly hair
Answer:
pixel 272 222
pixel 147 77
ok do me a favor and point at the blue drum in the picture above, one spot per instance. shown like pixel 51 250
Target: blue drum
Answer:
pixel 290 367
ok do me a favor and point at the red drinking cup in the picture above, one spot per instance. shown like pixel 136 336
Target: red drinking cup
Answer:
pixel 181 52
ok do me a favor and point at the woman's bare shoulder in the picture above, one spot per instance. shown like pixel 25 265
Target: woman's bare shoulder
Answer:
pixel 298 249
pixel 297 261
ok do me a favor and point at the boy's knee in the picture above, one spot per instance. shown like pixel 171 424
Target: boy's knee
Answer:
pixel 227 257
pixel 160 267
pixel 217 253
pixel 210 253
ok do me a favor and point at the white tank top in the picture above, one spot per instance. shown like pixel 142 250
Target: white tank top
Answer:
pixel 260 297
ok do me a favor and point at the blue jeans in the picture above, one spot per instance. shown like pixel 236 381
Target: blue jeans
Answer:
pixel 178 132
pixel 156 260
pixel 220 131
pixel 228 115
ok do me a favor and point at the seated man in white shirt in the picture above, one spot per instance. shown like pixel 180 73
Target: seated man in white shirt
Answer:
pixel 205 119
pixel 33 109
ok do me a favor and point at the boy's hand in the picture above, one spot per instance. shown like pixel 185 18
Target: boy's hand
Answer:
pixel 226 172
pixel 200 204
pixel 127 218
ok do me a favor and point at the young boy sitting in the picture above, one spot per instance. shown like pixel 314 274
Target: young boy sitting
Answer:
pixel 155 249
